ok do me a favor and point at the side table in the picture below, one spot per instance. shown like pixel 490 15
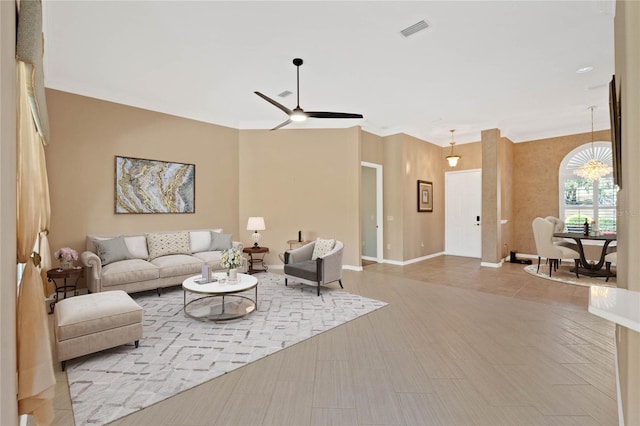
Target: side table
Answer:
pixel 254 261
pixel 64 275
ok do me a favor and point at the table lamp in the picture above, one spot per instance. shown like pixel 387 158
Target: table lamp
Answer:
pixel 256 224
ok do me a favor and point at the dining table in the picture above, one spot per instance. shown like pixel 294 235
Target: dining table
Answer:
pixel 587 267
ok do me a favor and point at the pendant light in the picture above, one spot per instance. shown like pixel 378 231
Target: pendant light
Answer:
pixel 452 158
pixel 593 169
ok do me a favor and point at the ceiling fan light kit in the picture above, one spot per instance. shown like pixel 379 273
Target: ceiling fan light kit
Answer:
pixel 298 114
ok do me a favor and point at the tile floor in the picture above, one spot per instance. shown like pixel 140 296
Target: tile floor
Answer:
pixel 457 345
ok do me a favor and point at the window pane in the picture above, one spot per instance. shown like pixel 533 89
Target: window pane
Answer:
pixel 607 220
pixel 574 218
pixel 606 192
pixel 578 192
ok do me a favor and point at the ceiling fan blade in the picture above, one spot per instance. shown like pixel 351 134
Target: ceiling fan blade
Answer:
pixel 284 123
pixel 274 103
pixel 324 114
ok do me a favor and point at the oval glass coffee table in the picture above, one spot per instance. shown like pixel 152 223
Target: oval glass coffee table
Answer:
pixel 218 300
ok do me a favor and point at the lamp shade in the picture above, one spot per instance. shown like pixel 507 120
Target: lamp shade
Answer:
pixel 256 224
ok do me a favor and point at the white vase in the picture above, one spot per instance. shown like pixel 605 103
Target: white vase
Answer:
pixel 233 274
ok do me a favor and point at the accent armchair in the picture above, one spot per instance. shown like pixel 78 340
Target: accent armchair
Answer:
pixel 299 265
pixel 543 235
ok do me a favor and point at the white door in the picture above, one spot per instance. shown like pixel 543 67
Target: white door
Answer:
pixel 463 204
pixel 371 211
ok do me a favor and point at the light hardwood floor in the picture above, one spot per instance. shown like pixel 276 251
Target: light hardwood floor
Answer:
pixel 457 345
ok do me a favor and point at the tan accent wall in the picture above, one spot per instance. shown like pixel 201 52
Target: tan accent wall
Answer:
pixel 536 165
pixel 86 135
pixel 306 180
pixel 8 385
pixel 627 57
pixel 505 157
pixel 491 196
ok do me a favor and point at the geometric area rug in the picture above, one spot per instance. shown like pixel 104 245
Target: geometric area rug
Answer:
pixel 177 352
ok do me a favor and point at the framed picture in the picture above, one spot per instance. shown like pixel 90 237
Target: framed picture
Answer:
pixel 616 132
pixel 151 186
pixel 425 196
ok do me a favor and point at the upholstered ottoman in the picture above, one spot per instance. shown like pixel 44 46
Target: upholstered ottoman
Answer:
pixel 94 322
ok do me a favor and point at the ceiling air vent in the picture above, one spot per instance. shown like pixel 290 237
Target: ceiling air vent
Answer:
pixel 285 94
pixel 419 26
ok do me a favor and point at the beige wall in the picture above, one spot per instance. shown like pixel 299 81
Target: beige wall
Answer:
pixel 8 385
pixel 627 54
pixel 86 135
pixel 470 156
pixel 535 184
pixel 423 232
pixel 371 148
pixel 306 180
pixel 393 182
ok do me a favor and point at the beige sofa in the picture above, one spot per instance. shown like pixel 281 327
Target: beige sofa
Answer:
pixel 147 261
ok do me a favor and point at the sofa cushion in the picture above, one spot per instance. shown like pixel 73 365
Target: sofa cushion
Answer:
pixel 322 247
pixel 137 246
pixel 307 269
pixel 199 241
pixel 165 243
pixel 128 271
pixel 177 264
pixel 220 242
pixel 111 250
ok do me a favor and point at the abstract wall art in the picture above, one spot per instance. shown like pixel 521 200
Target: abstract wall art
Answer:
pixel 151 186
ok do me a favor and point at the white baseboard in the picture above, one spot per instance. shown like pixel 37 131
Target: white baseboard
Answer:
pixel 410 261
pixel 350 267
pixel 492 265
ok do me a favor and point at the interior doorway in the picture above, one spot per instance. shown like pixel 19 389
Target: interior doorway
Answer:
pixel 463 207
pixel 371 212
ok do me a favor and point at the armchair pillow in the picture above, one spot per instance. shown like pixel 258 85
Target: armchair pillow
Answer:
pixel 111 250
pixel 162 244
pixel 322 247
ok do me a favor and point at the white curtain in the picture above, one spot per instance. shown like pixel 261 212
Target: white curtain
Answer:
pixel 36 381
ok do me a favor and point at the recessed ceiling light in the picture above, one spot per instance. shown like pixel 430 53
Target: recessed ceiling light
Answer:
pixel 583 70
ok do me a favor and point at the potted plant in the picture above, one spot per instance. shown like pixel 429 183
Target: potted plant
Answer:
pixel 66 256
pixel 231 260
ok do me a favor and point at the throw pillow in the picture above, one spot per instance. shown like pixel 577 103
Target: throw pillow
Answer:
pixel 322 247
pixel 137 246
pixel 200 241
pixel 111 250
pixel 220 242
pixel 165 243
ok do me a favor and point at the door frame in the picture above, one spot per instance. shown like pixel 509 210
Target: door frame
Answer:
pixel 446 214
pixel 379 212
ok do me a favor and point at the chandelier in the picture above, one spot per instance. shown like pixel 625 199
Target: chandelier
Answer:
pixel 593 169
pixel 452 159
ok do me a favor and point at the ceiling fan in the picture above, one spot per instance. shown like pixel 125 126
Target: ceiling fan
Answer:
pixel 298 114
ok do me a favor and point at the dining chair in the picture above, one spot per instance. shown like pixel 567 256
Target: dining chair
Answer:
pixel 609 259
pixel 543 234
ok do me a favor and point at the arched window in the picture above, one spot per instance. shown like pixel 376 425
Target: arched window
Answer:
pixel 582 199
